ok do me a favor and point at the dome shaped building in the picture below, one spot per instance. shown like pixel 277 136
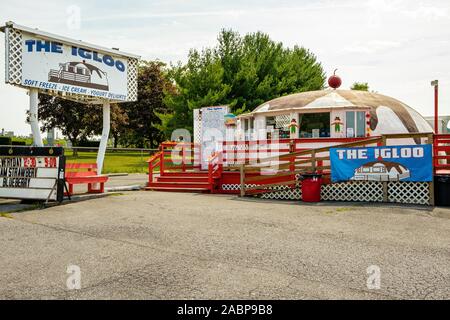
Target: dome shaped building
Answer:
pixel 330 113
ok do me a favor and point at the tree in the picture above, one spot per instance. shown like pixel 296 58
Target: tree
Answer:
pixel 76 121
pixel 242 72
pixel 143 122
pixel 361 86
pixel 118 125
pixel 119 122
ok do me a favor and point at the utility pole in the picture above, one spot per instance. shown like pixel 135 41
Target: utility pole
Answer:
pixel 435 84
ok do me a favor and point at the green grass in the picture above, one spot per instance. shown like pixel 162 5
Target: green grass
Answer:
pixel 115 162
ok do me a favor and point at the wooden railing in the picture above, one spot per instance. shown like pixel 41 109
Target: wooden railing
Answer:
pixel 153 163
pixel 441 153
pixel 180 156
pixel 215 169
pixel 174 157
pixel 282 170
pixel 247 152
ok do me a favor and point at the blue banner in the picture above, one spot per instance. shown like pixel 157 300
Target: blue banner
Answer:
pixel 393 163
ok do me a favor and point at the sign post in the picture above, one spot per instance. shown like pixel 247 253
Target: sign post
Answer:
pixel 49 64
pixel 34 122
pixel 105 135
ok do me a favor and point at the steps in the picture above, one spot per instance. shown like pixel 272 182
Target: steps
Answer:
pixel 196 181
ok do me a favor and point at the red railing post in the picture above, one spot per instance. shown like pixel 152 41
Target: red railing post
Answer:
pixel 210 173
pixel 150 172
pixel 183 158
pixel 220 163
pixel 161 165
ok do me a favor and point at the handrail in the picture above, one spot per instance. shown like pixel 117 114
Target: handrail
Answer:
pixel 441 153
pixel 189 155
pixel 215 168
pixel 152 165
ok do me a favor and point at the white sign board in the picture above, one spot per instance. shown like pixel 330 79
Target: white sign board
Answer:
pixel 30 177
pixel 213 131
pixel 56 66
pixel 36 59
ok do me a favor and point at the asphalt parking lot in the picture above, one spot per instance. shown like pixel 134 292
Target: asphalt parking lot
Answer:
pixel 150 245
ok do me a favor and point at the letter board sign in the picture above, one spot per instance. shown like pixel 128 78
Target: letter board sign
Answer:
pixel 32 173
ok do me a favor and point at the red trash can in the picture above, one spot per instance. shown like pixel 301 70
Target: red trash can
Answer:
pixel 311 186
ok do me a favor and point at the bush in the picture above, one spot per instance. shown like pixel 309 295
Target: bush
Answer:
pixel 89 144
pixel 5 141
pixel 19 143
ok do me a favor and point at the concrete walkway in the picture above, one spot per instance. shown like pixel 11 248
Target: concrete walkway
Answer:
pixel 151 245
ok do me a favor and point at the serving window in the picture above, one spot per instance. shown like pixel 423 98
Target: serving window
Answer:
pixel 314 125
pixel 356 124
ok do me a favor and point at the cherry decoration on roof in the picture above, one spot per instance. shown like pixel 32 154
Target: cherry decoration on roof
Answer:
pixel 334 81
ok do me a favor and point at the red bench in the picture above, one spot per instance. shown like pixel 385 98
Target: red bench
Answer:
pixel 84 173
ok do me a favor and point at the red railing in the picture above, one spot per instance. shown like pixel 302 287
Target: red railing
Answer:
pixel 174 157
pixel 215 169
pixel 153 163
pixel 441 153
pixel 245 152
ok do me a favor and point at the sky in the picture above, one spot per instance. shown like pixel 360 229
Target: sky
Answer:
pixel 397 46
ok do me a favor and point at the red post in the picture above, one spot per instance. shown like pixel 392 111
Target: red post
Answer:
pixel 183 155
pixel 150 172
pixel 210 174
pixel 161 165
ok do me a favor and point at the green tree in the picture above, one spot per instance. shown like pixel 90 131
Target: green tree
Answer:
pixel 361 86
pixel 143 125
pixel 242 72
pixel 75 120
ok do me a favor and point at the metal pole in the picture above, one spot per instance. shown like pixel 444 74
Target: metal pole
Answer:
pixel 105 136
pixel 435 84
pixel 34 122
pixel 242 179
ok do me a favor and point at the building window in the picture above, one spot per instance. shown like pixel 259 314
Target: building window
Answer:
pixel 356 124
pixel 314 125
pixel 248 128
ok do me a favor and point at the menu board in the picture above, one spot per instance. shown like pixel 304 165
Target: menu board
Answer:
pixel 213 131
pixel 32 173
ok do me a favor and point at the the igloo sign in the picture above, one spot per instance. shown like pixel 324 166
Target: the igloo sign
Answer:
pixel 47 62
pixel 70 69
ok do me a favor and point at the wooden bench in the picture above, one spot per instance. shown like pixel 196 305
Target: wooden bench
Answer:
pixel 84 173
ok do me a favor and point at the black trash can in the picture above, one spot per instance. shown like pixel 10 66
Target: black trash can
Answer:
pixel 442 190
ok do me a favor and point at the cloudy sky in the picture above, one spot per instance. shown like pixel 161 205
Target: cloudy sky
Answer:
pixel 398 46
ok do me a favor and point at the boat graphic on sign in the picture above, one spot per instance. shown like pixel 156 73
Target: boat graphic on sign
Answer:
pixel 80 74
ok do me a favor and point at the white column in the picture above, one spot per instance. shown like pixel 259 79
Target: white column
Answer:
pixel 260 127
pixel 34 122
pixel 105 136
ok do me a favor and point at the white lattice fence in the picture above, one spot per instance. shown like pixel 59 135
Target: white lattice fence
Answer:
pixel 13 56
pixel 282 121
pixel 132 77
pixel 409 192
pixel 353 191
pixel 397 192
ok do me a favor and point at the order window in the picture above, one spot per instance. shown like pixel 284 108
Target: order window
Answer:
pixel 315 125
pixel 356 124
